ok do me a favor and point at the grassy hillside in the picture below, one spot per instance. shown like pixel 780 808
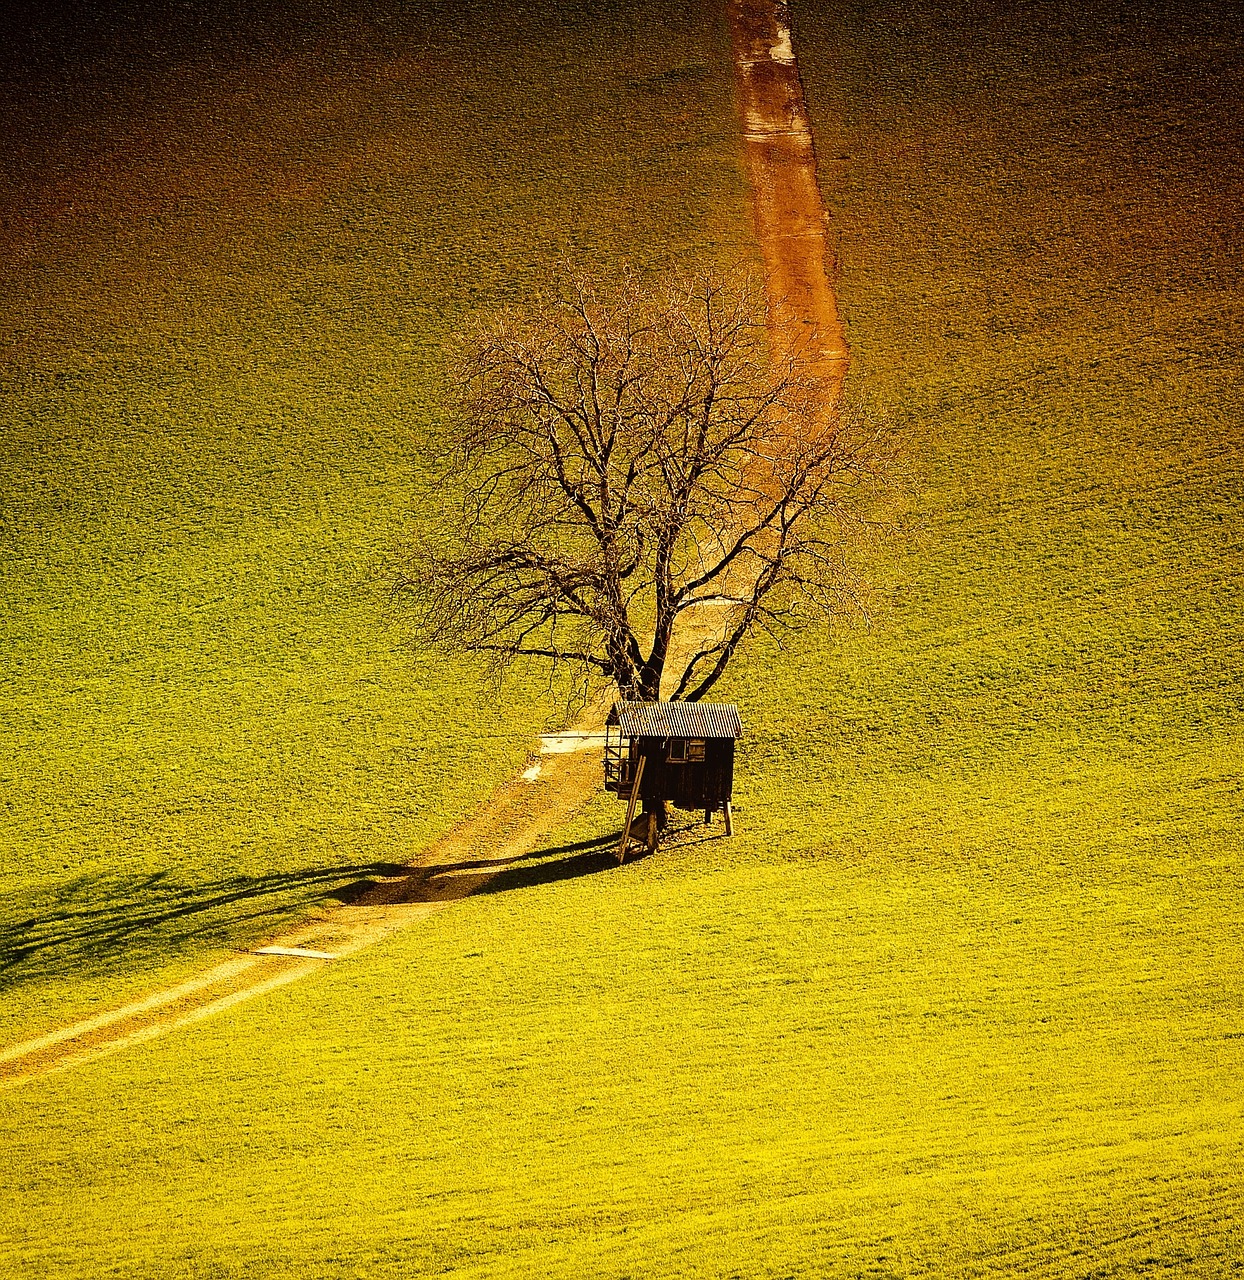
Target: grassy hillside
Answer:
pixel 963 997
pixel 236 244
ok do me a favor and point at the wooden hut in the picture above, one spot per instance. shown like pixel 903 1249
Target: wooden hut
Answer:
pixel 679 753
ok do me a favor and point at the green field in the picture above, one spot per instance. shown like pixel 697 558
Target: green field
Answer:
pixel 227 363
pixel 962 998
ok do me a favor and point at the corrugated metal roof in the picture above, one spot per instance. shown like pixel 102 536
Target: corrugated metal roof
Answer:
pixel 677 719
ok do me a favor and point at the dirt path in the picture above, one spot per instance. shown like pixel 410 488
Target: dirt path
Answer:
pixel 512 823
pixel 789 214
pixel 803 313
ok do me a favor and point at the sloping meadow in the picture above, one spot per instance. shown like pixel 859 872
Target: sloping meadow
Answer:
pixel 239 248
pixel 962 997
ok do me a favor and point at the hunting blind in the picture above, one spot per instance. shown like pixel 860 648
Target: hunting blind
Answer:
pixel 679 753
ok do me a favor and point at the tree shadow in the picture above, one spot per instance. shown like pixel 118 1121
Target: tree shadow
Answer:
pixel 93 921
pixel 451 881
pixel 545 866
pixel 97 923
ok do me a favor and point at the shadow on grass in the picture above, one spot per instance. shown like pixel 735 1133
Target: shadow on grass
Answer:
pixel 450 881
pixel 548 866
pixel 93 921
pixel 96 923
pixel 447 882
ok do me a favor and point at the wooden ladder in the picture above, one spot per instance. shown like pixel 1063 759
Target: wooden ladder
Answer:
pixel 630 810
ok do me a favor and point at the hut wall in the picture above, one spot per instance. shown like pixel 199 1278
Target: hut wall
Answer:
pixel 693 784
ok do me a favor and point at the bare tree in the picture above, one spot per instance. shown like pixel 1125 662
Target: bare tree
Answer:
pixel 643 486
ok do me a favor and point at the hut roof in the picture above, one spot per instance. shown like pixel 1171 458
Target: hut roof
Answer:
pixel 677 719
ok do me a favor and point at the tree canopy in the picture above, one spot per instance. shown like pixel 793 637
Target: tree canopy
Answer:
pixel 643 485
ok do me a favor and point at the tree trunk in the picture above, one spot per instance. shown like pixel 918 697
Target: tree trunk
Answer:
pixel 648 679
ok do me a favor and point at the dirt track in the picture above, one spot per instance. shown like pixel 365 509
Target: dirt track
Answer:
pixel 788 211
pixel 803 314
pixel 512 822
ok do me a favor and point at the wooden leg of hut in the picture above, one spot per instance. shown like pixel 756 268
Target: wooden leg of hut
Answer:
pixel 708 816
pixel 729 820
pixel 653 832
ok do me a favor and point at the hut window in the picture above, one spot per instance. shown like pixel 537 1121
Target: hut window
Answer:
pixel 677 750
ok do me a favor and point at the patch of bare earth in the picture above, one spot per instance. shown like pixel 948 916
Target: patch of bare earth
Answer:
pixel 791 224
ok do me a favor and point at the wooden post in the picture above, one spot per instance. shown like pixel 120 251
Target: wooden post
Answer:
pixel 708 816
pixel 654 832
pixel 630 809
pixel 729 822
